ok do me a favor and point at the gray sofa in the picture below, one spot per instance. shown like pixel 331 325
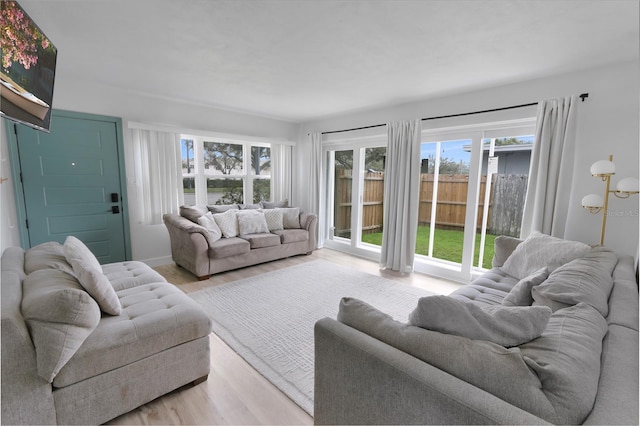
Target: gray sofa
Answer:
pixel 194 248
pixel 583 368
pixel 65 361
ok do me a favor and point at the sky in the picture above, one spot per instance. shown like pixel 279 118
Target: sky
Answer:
pixel 453 149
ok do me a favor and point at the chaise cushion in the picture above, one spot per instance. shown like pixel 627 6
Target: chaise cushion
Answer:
pixel 229 247
pixel 60 315
pixel 49 255
pixel 123 275
pixel 89 272
pixel 292 235
pixel 540 250
pixel 507 326
pixel 154 317
pixel 586 279
pixel 261 240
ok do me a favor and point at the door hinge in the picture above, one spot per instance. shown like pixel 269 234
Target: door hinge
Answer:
pixel 27 223
pixel 15 129
pixel 20 177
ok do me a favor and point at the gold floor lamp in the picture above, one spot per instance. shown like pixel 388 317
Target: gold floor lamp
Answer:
pixel 594 203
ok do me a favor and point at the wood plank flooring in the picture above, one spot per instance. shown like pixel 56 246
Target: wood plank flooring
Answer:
pixel 235 393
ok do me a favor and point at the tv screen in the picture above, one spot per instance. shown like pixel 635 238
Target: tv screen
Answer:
pixel 28 68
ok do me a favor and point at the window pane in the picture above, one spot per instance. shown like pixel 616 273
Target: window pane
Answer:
pixel 261 190
pixel 189 187
pixel 372 195
pixel 260 161
pixel 186 147
pixel 222 158
pixel 343 161
pixel 224 191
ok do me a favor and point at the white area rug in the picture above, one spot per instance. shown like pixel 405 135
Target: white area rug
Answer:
pixel 269 319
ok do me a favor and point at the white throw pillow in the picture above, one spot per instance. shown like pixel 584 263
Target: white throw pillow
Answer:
pixel 274 219
pixel 540 250
pixel 89 272
pixel 227 222
pixel 207 221
pixel 505 325
pixel 291 217
pixel 252 222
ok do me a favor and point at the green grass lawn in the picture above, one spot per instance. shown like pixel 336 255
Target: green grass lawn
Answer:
pixel 447 245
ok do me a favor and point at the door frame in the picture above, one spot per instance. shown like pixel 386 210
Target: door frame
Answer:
pixel 16 173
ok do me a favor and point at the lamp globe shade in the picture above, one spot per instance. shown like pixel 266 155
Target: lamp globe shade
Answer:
pixel 592 201
pixel 628 185
pixel 603 168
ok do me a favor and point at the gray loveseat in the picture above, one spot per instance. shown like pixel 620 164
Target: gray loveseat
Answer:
pixel 66 361
pixel 237 237
pixel 583 368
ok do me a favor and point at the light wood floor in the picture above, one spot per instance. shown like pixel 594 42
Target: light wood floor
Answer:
pixel 235 393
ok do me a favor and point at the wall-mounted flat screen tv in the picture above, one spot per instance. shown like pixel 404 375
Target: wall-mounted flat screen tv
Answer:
pixel 28 68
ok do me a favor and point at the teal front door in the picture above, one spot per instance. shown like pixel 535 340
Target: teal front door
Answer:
pixel 71 184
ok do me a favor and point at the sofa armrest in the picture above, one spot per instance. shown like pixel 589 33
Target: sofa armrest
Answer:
pixel 309 221
pixel 189 244
pixel 361 380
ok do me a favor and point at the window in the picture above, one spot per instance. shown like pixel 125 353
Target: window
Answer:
pixel 225 172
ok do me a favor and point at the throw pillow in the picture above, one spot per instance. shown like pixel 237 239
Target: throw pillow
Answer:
pixel 505 325
pixel 540 250
pixel 251 222
pixel 60 315
pixel 227 222
pixel 274 204
pixel 503 246
pixel 250 206
pixel 222 208
pixel 587 279
pixel 520 294
pixel 493 368
pixel 566 358
pixel 49 255
pixel 89 272
pixel 210 224
pixel 291 217
pixel 192 212
pixel 274 219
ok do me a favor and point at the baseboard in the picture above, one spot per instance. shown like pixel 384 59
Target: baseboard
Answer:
pixel 158 261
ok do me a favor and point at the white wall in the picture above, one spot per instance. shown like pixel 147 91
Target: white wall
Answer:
pixel 608 123
pixel 148 243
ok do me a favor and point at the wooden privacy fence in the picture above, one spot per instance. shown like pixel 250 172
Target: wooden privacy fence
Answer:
pixel 505 206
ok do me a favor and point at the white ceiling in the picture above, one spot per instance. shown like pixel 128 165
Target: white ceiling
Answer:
pixel 299 60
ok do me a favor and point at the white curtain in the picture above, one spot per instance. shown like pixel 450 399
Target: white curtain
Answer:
pixel 546 206
pixel 401 192
pixel 158 166
pixel 315 182
pixel 281 171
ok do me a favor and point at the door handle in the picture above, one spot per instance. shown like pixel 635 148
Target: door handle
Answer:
pixel 115 209
pixel 114 197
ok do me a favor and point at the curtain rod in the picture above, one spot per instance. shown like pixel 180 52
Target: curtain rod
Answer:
pixel 583 96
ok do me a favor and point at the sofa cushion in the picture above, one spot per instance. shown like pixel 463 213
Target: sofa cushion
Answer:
pixel 129 274
pixel 566 358
pixel 228 223
pixel 193 212
pixel 207 221
pixel 89 272
pixel 154 317
pixel 505 325
pixel 49 255
pixel 292 235
pixel 60 315
pixel 251 222
pixel 274 219
pixel 520 294
pixel 262 240
pixel 503 246
pixel 479 294
pixel 489 366
pixel 586 279
pixel 274 204
pixel 221 208
pixel 540 250
pixel 229 247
